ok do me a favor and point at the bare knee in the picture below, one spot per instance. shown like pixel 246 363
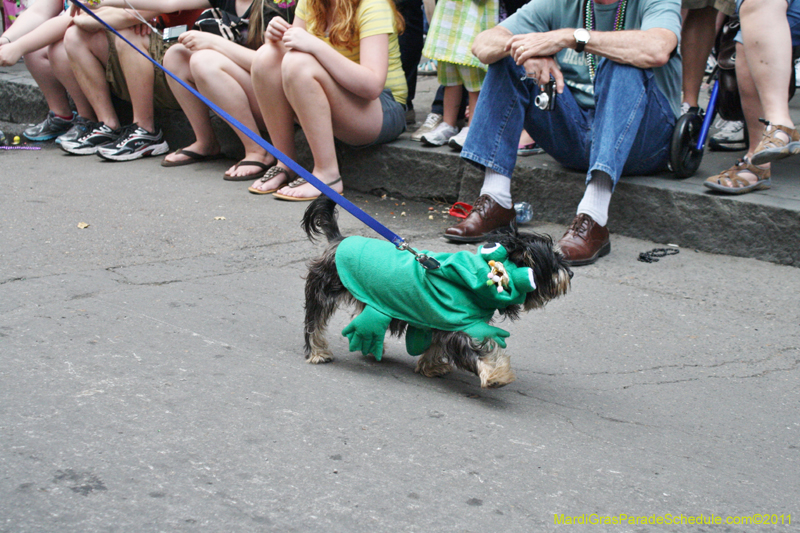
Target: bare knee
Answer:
pixel 206 65
pixel 266 62
pixel 298 68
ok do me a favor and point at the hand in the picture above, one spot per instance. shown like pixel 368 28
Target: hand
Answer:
pixel 540 69
pixel 366 332
pixel 525 46
pixel 9 54
pixel 300 40
pixel 142 30
pixel 276 28
pixel 198 40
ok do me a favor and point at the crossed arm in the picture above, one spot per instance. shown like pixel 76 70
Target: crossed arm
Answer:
pixel 640 48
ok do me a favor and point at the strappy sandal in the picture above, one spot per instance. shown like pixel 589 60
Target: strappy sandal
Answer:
pixel 297 183
pixel 268 175
pixel 263 166
pixel 740 185
pixel 771 148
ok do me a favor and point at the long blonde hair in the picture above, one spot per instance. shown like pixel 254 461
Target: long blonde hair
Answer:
pixel 343 32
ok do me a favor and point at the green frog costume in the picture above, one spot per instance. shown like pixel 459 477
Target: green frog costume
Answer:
pixel 458 296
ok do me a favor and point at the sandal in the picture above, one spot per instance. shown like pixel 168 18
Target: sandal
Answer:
pixel 193 157
pixel 740 185
pixel 263 166
pixel 268 175
pixel 428 68
pixel 297 183
pixel 771 148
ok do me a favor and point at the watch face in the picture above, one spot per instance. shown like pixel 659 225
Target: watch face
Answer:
pixel 581 35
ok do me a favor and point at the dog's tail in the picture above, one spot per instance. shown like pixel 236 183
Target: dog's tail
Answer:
pixel 320 219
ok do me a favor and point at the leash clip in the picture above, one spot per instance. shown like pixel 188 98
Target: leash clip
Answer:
pixel 428 263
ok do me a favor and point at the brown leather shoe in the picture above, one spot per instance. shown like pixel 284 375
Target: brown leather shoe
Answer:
pixel 486 215
pixel 584 242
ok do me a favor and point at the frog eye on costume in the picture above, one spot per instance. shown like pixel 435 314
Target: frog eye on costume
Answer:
pixel 493 250
pixel 523 279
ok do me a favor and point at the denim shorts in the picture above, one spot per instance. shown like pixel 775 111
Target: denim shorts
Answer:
pixel 792 14
pixel 394 119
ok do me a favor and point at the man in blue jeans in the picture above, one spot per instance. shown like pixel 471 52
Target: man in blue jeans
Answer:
pixel 617 71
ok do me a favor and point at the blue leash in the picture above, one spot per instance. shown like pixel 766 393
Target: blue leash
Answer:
pixel 383 231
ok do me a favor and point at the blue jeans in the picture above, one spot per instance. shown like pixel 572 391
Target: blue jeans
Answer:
pixel 628 132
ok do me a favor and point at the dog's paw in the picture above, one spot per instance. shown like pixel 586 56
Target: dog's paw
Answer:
pixel 431 369
pixel 496 372
pixel 316 358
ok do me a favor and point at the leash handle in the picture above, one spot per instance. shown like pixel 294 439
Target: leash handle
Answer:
pixel 346 204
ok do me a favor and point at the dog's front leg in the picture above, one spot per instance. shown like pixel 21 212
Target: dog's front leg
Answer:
pixel 433 362
pixel 494 367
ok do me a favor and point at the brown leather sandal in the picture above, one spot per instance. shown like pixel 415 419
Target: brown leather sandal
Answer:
pixel 738 184
pixel 771 148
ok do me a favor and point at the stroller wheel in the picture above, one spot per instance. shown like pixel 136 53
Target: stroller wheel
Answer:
pixel 684 157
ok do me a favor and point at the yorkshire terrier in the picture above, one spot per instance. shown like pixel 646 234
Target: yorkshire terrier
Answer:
pixel 430 307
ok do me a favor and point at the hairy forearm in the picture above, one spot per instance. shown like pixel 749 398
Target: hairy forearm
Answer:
pixel 642 49
pixel 490 45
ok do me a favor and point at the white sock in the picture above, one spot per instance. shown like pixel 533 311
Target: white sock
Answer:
pixel 498 187
pixel 597 197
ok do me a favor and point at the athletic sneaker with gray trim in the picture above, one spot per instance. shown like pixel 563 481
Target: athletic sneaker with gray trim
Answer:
pixel 440 135
pixel 50 128
pixel 730 136
pixel 431 121
pixel 92 141
pixel 134 142
pixel 80 127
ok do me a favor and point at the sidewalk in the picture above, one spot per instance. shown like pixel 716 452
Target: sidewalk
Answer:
pixel 763 225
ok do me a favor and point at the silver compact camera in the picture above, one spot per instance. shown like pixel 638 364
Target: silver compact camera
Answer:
pixel 172 34
pixel 546 99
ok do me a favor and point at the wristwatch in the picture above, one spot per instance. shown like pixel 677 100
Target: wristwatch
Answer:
pixel 581 38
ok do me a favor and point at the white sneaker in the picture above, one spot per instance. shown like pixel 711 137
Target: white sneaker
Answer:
pixel 457 141
pixel 440 135
pixel 729 136
pixel 433 120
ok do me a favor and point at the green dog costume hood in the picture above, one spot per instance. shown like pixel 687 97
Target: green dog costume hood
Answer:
pixel 462 295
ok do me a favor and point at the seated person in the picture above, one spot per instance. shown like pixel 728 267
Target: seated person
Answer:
pixel 47 62
pixel 337 70
pixel 617 75
pixel 99 58
pixel 220 70
pixel 769 29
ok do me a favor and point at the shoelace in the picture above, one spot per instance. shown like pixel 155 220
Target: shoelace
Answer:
pixel 580 225
pixel 430 121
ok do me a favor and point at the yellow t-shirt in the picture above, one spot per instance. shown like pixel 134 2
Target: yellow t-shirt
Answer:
pixel 374 18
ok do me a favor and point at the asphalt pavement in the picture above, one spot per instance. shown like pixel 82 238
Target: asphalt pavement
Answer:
pixel 152 378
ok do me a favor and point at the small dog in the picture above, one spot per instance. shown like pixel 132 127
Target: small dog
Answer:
pixel 441 345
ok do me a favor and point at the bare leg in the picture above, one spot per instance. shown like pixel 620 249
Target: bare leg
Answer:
pixel 697 39
pixel 768 42
pixel 325 109
pixel 88 55
pixel 230 87
pixel 139 76
pixel 452 101
pixel 177 61
pixel 275 108
pixel 59 62
pixel 473 102
pixel 54 92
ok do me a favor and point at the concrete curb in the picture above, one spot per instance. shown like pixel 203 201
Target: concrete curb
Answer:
pixel 762 225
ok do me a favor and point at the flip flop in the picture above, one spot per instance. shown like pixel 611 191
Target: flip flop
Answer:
pixel 263 166
pixel 268 175
pixel 297 183
pixel 529 149
pixel 194 157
